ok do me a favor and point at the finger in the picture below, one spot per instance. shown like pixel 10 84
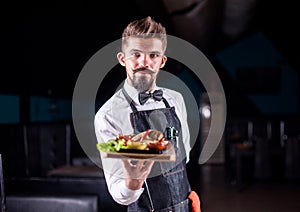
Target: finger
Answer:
pixel 140 164
pixel 148 164
pixel 127 163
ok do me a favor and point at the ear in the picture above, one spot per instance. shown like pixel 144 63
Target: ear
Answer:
pixel 163 61
pixel 121 58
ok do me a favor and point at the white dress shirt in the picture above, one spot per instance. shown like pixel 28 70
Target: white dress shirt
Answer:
pixel 113 118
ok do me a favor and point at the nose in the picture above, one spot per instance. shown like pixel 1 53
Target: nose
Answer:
pixel 144 60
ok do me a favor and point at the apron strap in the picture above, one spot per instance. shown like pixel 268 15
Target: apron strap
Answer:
pixel 166 102
pixel 131 102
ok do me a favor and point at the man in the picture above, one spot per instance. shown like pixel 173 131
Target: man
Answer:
pixel 145 185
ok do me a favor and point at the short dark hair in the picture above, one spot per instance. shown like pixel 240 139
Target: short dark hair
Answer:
pixel 145 28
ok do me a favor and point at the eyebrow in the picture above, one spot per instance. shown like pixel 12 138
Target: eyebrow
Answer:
pixel 137 50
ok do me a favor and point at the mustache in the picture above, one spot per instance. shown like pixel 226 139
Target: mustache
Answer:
pixel 144 70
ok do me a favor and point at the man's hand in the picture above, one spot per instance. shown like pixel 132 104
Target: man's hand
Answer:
pixel 136 172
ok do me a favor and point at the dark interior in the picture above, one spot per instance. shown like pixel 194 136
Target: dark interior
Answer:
pixel 252 46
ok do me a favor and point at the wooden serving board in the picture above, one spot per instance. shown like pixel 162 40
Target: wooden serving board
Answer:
pixel 167 155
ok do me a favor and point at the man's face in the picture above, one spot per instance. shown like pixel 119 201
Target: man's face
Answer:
pixel 142 58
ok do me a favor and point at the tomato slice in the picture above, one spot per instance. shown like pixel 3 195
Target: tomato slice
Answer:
pixel 157 145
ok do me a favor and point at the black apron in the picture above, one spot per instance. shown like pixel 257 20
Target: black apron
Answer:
pixel 169 190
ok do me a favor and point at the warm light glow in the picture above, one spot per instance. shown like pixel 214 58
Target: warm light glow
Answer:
pixel 206 111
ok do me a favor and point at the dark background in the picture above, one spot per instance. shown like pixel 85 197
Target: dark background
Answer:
pixel 252 44
pixel 44 46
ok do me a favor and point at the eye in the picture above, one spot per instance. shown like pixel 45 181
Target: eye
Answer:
pixel 136 54
pixel 154 55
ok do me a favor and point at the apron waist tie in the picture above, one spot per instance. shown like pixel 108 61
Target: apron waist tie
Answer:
pixel 182 204
pixel 150 199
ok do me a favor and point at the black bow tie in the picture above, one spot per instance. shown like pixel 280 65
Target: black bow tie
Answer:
pixel 156 95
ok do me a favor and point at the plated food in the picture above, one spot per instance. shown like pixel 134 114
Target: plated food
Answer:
pixel 147 140
pixel 145 145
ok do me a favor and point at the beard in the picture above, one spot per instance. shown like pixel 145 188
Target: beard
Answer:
pixel 143 83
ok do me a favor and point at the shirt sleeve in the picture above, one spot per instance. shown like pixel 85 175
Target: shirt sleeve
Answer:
pixel 105 129
pixel 119 192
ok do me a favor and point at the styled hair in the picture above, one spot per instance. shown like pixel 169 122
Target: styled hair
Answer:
pixel 145 28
